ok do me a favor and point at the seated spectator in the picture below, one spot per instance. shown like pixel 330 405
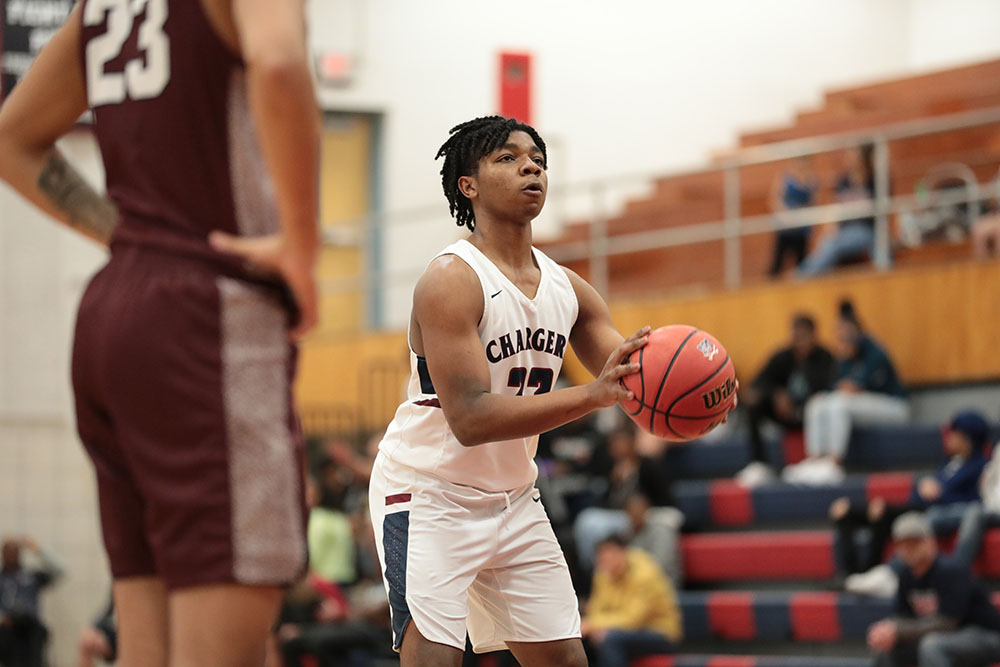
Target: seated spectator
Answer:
pixel 986 237
pixel 978 515
pixel 99 641
pixel 319 619
pixel 943 616
pixel 867 391
pixel 854 239
pixel 793 189
pixel 330 538
pixel 22 633
pixel 655 530
pixel 945 496
pixel 779 392
pixel 570 458
pixel 637 467
pixel 633 610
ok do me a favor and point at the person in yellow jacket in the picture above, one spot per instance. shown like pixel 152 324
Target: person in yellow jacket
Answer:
pixel 633 609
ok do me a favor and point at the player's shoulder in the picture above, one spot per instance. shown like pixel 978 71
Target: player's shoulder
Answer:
pixel 448 269
pixel 449 285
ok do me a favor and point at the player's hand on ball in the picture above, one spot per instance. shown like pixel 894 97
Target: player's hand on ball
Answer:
pixel 273 255
pixel 607 386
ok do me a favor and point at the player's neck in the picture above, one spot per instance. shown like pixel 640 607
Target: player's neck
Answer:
pixel 504 243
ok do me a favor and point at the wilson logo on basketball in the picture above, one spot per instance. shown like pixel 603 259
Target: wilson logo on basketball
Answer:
pixel 716 396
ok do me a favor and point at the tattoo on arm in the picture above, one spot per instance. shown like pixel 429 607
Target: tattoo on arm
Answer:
pixel 88 212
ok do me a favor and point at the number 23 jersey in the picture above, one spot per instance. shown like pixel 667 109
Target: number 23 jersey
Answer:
pixel 172 117
pixel 524 341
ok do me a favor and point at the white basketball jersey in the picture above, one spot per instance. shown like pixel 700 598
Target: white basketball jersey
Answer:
pixel 524 341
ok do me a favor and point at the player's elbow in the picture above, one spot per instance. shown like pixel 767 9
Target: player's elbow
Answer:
pixel 278 67
pixel 467 433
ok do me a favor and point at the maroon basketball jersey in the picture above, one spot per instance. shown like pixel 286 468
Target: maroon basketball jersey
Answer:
pixel 174 125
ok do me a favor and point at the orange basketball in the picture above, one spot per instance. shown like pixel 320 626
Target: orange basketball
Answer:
pixel 685 384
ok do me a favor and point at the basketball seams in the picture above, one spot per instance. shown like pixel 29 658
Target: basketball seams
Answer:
pixel 697 386
pixel 663 381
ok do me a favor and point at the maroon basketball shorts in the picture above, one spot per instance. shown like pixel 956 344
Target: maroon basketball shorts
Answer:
pixel 183 400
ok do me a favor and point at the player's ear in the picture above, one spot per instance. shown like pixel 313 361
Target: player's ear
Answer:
pixel 468 186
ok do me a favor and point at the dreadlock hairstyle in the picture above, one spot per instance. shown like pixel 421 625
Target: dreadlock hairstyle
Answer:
pixel 470 142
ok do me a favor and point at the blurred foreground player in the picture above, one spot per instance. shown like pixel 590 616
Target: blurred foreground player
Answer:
pixel 182 365
pixel 464 542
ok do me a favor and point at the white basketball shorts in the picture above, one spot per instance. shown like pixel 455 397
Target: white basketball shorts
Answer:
pixel 455 558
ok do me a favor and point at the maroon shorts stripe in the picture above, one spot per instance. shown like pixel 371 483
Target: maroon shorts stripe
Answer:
pixel 429 402
pixel 398 498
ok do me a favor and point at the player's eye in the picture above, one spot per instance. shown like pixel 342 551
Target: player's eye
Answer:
pixel 505 158
pixel 540 162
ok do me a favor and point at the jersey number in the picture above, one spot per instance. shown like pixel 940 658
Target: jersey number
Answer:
pixel 143 78
pixel 538 378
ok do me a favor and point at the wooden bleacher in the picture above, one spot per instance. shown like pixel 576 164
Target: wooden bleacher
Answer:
pixel 937 318
pixel 691 199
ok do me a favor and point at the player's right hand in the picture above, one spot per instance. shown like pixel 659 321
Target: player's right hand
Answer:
pixel 273 255
pixel 607 388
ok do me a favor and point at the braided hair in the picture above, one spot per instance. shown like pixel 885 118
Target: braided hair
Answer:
pixel 470 142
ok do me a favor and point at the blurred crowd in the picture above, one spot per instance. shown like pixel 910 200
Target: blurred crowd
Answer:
pixel 608 489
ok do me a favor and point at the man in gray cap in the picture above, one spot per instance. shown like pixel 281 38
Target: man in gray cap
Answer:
pixel 943 615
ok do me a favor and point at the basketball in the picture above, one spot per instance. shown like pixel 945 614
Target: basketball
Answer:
pixel 685 385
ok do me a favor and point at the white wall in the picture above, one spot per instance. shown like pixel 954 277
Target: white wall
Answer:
pixel 953 32
pixel 46 481
pixel 627 87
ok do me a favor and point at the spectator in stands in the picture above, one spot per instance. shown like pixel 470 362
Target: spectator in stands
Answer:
pixel 986 237
pixel 633 610
pixel 573 463
pixel 779 392
pixel 655 530
pixel 978 515
pixel 866 391
pixel 945 496
pixel 330 538
pixel 854 239
pixel 637 467
pixel 22 633
pixel 99 641
pixel 793 189
pixel 323 621
pixel 943 615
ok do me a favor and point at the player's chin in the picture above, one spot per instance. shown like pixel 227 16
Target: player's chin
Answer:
pixel 533 205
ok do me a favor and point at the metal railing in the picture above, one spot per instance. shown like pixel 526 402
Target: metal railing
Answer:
pixel 733 226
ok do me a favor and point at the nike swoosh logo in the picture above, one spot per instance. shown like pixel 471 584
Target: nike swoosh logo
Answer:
pixel 537 499
pixel 493 295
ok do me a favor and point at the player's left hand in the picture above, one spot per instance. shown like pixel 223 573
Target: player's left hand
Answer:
pixel 273 255
pixel 736 402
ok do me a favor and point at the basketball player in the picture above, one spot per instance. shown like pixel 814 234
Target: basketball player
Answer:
pixel 207 124
pixel 464 541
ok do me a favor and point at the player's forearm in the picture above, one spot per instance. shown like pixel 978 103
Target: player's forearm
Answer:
pixel 284 105
pixel 494 417
pixel 48 181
